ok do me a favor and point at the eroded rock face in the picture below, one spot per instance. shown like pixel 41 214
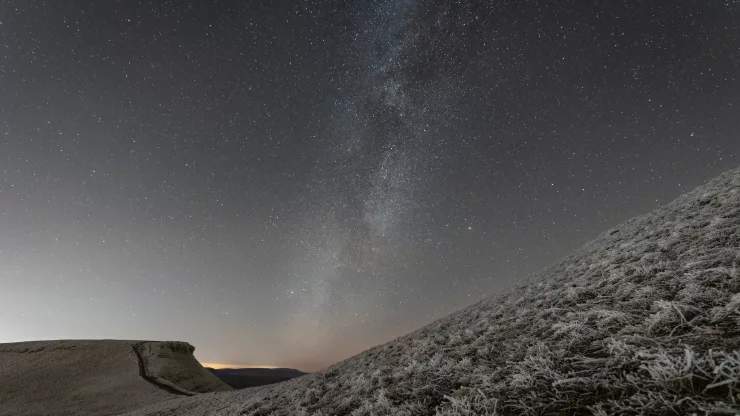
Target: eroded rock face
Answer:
pixel 171 365
pixel 99 377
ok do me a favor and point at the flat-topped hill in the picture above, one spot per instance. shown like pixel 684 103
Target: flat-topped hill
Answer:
pixel 97 377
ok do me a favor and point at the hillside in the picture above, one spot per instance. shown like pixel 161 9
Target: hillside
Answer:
pixel 240 378
pixel 644 319
pixel 97 377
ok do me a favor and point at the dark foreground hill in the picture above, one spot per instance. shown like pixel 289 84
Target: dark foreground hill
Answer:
pixel 97 377
pixel 645 319
pixel 240 378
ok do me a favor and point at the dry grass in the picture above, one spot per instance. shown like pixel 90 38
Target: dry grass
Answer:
pixel 645 319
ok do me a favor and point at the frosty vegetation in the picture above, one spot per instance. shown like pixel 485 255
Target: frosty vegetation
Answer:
pixel 645 319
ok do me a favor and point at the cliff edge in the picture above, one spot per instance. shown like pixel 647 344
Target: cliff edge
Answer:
pixel 101 377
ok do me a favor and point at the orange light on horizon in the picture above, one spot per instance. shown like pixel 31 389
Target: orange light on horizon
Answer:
pixel 219 366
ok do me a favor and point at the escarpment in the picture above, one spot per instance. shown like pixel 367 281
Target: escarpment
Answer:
pixel 73 377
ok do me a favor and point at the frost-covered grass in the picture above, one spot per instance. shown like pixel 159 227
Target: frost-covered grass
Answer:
pixel 645 319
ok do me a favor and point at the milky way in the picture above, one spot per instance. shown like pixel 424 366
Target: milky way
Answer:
pixel 288 184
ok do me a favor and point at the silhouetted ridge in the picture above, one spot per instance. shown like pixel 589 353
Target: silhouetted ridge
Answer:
pixel 240 378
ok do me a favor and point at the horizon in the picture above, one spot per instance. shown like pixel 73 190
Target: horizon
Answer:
pixel 235 366
pixel 288 184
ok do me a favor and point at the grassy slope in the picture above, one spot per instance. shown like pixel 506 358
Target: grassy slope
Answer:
pixel 645 319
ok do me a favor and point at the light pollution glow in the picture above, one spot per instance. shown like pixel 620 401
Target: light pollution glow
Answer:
pixel 219 366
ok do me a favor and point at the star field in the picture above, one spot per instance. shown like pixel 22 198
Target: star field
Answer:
pixel 289 183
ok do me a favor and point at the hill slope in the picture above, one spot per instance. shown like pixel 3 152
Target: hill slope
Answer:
pixel 97 377
pixel 645 319
pixel 240 378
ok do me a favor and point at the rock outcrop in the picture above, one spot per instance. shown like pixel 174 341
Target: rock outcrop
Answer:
pixel 172 366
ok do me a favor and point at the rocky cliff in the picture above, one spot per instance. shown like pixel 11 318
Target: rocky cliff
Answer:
pixel 97 377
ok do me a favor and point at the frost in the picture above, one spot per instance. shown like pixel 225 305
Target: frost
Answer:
pixel 643 321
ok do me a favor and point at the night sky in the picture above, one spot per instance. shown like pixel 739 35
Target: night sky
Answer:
pixel 288 183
